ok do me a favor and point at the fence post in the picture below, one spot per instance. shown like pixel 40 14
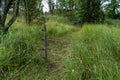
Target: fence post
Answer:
pixel 45 42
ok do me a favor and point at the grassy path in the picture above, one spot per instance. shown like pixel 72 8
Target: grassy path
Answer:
pixel 74 53
pixel 59 50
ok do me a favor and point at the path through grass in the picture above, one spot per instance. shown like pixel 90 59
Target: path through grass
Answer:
pixel 90 53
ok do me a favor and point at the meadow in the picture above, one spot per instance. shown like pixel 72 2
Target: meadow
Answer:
pixel 74 53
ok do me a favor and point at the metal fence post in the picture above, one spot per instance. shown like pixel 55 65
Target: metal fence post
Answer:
pixel 45 42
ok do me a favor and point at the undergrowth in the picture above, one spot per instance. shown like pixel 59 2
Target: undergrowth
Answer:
pixel 96 54
pixel 18 48
pixel 93 54
pixel 56 29
pixel 21 50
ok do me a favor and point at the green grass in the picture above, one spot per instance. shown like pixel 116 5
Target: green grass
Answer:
pixel 96 55
pixel 56 29
pixel 19 48
pixel 90 53
pixel 21 55
pixel 60 19
pixel 113 22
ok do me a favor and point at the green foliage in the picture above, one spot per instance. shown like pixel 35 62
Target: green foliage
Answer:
pixel 90 54
pixel 96 55
pixel 81 11
pixel 18 49
pixel 112 9
pixel 32 11
pixel 91 11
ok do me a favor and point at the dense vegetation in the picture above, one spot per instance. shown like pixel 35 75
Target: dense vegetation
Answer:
pixel 96 51
pixel 83 39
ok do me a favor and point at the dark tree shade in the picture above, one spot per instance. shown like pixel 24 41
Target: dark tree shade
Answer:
pixel 92 11
pixel 51 6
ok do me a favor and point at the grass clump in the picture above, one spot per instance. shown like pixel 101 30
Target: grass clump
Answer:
pixel 56 29
pixel 18 48
pixel 96 54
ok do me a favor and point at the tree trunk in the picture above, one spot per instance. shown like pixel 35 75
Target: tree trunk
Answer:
pixel 5 6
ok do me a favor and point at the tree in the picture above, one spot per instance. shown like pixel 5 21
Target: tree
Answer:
pixel 66 6
pixel 112 10
pixel 30 7
pixel 81 11
pixel 91 11
pixel 51 6
pixel 5 7
pixel 32 10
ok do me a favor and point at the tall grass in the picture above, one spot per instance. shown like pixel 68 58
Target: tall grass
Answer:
pixel 113 22
pixel 18 48
pixel 96 55
pixel 22 46
pixel 56 29
pixel 95 52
